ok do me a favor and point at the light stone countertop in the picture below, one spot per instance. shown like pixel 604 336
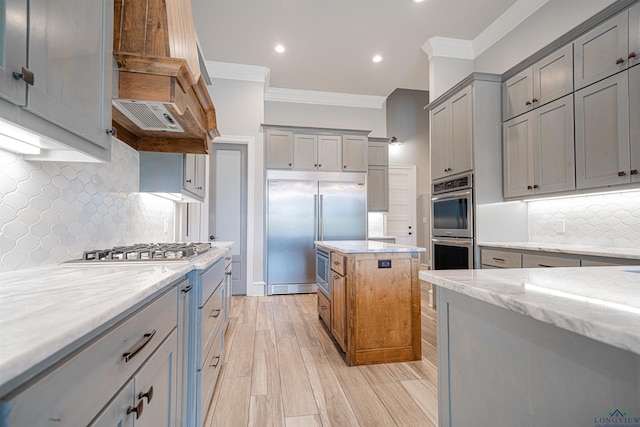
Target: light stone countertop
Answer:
pixel 366 246
pixel 48 312
pixel 628 253
pixel 602 303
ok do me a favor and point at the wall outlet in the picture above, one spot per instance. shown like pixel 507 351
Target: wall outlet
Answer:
pixel 559 226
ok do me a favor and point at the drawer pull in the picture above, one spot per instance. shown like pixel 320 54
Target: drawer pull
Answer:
pixel 544 265
pixel 148 395
pixel 215 365
pixel 137 409
pixel 619 60
pixel 215 313
pixel 634 171
pixel 142 342
pixel 498 259
pixel 632 55
pixel 227 273
pixel 187 289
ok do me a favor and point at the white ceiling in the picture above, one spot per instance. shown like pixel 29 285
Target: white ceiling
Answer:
pixel 330 43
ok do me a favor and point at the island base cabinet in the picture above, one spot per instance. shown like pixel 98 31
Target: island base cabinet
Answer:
pixel 498 367
pixel 381 295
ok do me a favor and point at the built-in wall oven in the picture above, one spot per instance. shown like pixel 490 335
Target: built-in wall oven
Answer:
pixel 323 269
pixel 452 227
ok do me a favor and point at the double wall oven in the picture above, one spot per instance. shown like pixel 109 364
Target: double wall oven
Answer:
pixel 452 227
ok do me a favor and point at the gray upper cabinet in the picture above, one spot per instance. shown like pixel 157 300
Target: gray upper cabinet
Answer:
pixel 181 175
pixel 65 49
pixel 452 135
pixel 606 50
pixel 354 153
pixel 634 118
pixel 539 150
pixel 378 175
pixel 13 51
pixel 279 151
pixel 547 80
pixel 317 152
pixel 602 133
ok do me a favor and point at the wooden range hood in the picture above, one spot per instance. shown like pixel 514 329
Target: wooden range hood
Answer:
pixel 155 50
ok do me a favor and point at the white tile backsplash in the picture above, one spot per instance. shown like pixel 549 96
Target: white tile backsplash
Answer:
pixel 596 220
pixel 52 211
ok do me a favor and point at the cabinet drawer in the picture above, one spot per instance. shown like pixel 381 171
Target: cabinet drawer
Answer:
pixel 501 259
pixel 210 317
pixel 324 309
pixel 338 263
pixel 208 375
pixel 210 281
pixel 536 261
pixel 80 387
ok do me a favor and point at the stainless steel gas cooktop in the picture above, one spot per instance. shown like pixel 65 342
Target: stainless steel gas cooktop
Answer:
pixel 144 252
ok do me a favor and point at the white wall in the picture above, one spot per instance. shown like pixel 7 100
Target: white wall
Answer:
pixel 327 116
pixel 239 112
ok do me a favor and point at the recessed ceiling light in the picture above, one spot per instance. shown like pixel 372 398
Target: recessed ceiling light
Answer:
pixel 279 48
pixel 418 1
pixel 377 58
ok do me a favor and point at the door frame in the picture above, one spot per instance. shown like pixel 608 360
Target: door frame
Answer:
pixel 249 141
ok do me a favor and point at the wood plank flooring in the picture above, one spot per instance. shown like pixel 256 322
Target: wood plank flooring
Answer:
pixel 283 369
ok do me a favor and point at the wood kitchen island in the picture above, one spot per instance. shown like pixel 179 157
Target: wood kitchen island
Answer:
pixel 372 305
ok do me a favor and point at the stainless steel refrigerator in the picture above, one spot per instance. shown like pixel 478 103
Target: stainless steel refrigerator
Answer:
pixel 303 207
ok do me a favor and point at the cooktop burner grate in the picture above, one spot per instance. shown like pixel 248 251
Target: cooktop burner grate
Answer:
pixel 146 252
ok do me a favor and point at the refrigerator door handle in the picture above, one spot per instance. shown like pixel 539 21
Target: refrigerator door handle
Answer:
pixel 315 217
pixel 321 217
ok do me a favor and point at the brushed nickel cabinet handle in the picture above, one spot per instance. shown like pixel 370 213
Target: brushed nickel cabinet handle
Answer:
pixel 142 342
pixel 148 395
pixel 137 409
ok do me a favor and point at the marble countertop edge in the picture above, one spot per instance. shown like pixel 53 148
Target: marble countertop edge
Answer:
pixel 366 246
pixel 566 248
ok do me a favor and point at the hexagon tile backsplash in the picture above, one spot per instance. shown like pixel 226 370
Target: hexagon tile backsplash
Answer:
pixel 51 212
pixel 611 220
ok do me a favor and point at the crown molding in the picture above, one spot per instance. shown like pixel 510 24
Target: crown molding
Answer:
pixel 448 47
pixel 298 96
pixel 505 23
pixel 230 71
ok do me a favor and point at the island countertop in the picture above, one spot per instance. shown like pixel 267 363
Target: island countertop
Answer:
pixel 365 246
pixel 48 311
pixel 602 303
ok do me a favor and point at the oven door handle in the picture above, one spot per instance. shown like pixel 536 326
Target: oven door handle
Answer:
pixel 454 195
pixel 460 242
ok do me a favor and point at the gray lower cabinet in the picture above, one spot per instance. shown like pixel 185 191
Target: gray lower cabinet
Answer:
pixel 105 380
pixel 56 66
pixel 514 258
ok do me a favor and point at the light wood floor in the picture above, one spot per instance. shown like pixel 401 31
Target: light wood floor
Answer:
pixel 282 369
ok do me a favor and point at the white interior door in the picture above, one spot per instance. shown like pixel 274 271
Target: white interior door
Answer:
pixel 401 219
pixel 229 207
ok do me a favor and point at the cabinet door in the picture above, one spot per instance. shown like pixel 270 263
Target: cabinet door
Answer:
pixel 517 93
pixel 554 146
pixel 338 310
pixel 378 189
pixel 201 173
pixel 634 118
pixel 279 149
pixel 440 122
pixel 602 133
pixel 118 412
pixel 155 386
pixel 538 261
pixel 304 152
pixel 378 153
pixel 354 153
pixel 553 76
pixel 13 50
pixel 185 367
pixel 329 153
pixel 602 51
pixel 190 172
pixel 70 54
pixel 634 35
pixel 461 131
pixel 518 172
